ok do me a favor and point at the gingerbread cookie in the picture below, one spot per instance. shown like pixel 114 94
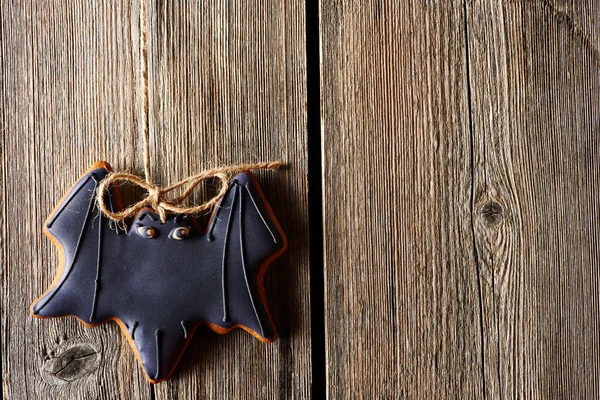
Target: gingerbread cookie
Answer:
pixel 158 281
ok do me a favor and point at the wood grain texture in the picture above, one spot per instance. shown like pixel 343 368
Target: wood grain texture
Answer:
pixel 461 236
pixel 535 82
pixel 227 85
pixel 402 298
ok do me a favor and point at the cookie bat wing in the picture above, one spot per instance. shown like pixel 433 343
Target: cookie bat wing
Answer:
pixel 73 227
pixel 244 227
pixel 159 287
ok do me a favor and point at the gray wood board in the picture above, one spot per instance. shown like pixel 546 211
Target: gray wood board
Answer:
pixel 226 85
pixel 461 198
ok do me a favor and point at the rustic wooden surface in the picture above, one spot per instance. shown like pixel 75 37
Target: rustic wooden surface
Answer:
pixel 226 85
pixel 461 198
pixel 461 188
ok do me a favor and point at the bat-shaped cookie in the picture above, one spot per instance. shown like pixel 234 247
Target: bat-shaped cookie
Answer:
pixel 161 281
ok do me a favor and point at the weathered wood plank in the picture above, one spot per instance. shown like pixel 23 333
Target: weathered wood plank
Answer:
pixel 532 202
pixel 68 92
pixel 227 85
pixel 402 296
pixel 535 82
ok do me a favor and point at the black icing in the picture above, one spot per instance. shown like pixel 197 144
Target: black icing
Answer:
pixel 161 287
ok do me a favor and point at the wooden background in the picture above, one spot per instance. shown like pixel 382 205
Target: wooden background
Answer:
pixel 459 146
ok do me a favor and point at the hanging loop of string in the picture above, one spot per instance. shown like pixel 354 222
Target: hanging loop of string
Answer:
pixel 158 198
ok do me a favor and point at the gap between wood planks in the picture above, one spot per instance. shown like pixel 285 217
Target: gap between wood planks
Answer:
pixel 315 198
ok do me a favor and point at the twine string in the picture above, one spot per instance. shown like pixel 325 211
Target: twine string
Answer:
pixel 157 197
pixel 144 98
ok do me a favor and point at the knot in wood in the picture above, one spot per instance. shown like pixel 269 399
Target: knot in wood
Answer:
pixel 77 361
pixel 492 214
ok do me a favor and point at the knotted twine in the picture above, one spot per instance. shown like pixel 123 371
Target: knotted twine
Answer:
pixel 157 197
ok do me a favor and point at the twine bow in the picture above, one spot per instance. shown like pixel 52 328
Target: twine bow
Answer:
pixel 157 198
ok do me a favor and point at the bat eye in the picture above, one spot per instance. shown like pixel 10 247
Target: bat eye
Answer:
pixel 180 233
pixel 146 232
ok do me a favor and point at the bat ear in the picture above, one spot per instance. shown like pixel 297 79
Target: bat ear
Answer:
pixel 69 214
pixel 249 186
pixel 81 191
pixel 258 215
pixel 113 197
pixel 100 165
